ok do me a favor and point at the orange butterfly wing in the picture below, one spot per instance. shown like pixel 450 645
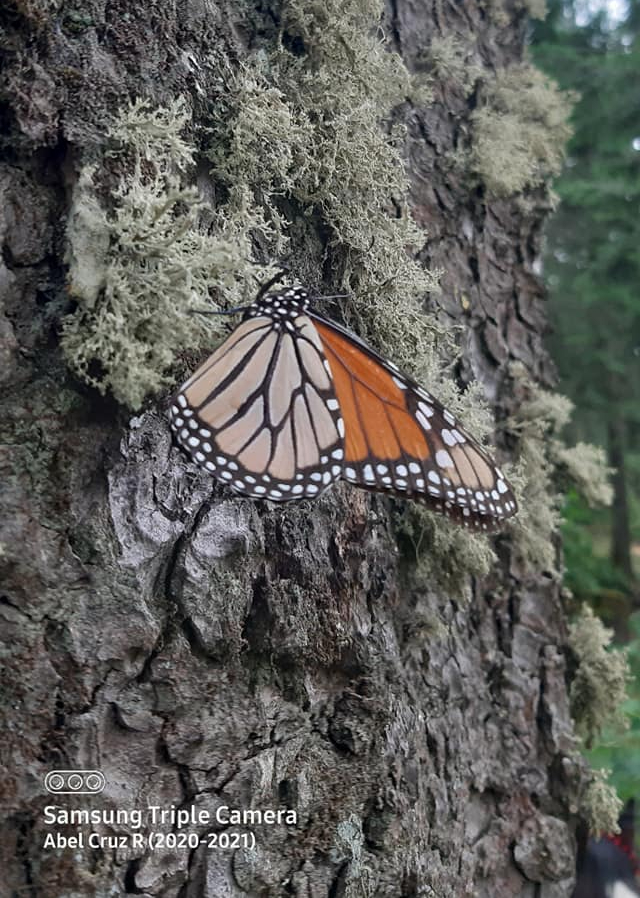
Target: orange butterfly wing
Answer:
pixel 399 438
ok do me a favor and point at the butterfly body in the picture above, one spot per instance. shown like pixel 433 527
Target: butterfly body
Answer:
pixel 292 402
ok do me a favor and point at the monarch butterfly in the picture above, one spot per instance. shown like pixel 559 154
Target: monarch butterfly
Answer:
pixel 291 402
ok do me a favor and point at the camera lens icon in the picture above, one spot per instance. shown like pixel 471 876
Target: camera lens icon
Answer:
pixel 74 782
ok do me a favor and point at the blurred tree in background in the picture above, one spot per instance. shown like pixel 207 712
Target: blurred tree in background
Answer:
pixel 593 264
pixel 592 268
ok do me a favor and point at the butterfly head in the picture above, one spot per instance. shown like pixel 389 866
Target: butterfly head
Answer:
pixel 288 303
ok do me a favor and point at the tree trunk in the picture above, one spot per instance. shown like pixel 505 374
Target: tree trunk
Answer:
pixel 204 651
pixel 621 528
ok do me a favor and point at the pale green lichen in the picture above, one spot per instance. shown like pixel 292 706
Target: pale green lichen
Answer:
pixel 360 879
pixel 441 553
pixel 537 9
pixel 538 418
pixel 303 133
pixel 452 61
pixel 138 268
pixel 586 466
pixel 544 465
pixel 519 130
pixel 599 684
pixel 600 804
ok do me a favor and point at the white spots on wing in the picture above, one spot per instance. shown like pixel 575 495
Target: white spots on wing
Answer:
pixel 220 460
pixel 443 459
pixel 448 437
pixel 193 441
pixel 332 404
pixel 177 423
pixel 381 469
pixel 434 477
pixel 184 433
pixel 209 465
pixel 399 383
pixel 340 427
pixel 182 401
pixel 425 409
pixel 207 448
pixel 193 424
pixel 502 486
pixel 448 417
pixel 421 419
pixel 311 489
pixel 336 470
pixel 420 483
pixel 227 475
pixel 458 436
pixel 350 473
pixel 368 474
pixel 337 454
pixel 260 490
pixel 297 489
pixel 414 468
pixel 401 470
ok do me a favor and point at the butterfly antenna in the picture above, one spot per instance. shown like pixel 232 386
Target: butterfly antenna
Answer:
pixel 233 311
pixel 283 272
pixel 334 296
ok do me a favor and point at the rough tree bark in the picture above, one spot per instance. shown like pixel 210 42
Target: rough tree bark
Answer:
pixel 204 650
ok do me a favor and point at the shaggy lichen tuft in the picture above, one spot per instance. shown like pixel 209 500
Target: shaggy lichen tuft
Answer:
pixel 586 466
pixel 544 465
pixel 136 268
pixel 599 685
pixel 305 134
pixel 600 804
pixel 451 61
pixel 520 130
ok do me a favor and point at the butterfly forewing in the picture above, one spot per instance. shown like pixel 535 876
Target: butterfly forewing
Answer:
pixel 399 438
pixel 261 415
